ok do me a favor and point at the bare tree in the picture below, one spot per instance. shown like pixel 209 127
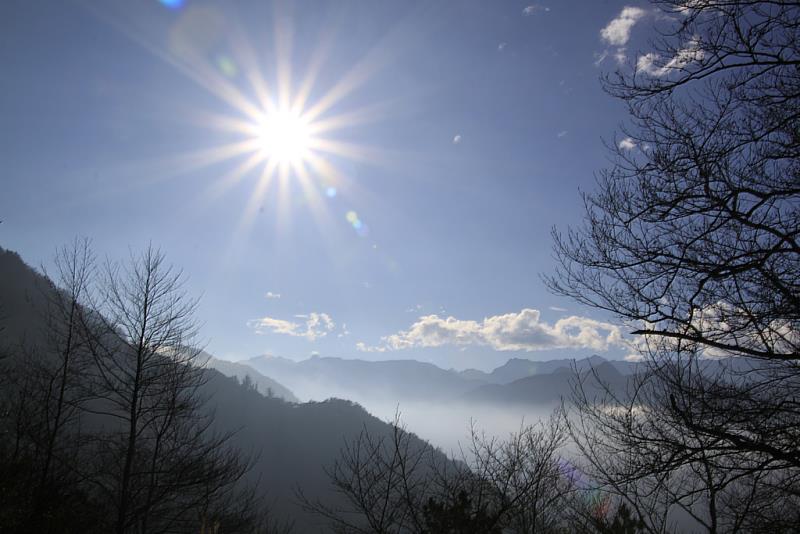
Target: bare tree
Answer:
pixel 395 484
pixel 65 360
pixel 44 395
pixel 693 239
pixel 382 482
pixel 529 489
pixel 637 448
pixel 694 232
pixel 104 424
pixel 155 458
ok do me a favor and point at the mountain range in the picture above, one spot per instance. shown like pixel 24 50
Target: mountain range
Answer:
pixel 292 442
pixel 519 381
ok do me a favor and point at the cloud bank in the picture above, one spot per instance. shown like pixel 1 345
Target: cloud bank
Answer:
pixel 521 331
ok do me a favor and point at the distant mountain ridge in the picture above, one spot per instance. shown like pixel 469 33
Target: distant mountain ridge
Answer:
pixel 263 384
pixel 548 388
pixel 411 380
pixel 320 378
pixel 517 368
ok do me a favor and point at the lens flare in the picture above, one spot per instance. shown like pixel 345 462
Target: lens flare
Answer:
pixel 172 4
pixel 284 137
pixel 277 132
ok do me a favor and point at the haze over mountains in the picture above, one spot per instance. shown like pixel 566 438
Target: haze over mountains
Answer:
pixel 318 378
pixel 442 406
pixel 293 418
pixel 291 442
pixel 262 384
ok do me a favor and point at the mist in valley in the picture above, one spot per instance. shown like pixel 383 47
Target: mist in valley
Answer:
pixel 447 425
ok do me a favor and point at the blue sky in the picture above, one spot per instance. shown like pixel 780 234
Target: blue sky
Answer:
pixel 461 132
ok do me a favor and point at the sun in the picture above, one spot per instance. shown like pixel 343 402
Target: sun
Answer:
pixel 284 137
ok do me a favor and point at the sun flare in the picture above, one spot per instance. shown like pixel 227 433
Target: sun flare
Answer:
pixel 284 137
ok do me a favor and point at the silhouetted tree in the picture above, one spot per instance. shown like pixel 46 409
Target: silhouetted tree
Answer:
pixel 44 400
pixel 103 420
pixel 65 359
pixel 623 522
pixel 44 369
pixel 692 238
pixel 638 451
pixel 248 383
pixel 391 486
pixel 458 516
pixel 156 461
pixel 384 481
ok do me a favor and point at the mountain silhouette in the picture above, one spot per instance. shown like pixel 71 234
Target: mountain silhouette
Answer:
pixel 517 368
pixel 392 380
pixel 263 384
pixel 290 445
pixel 519 380
pixel 542 389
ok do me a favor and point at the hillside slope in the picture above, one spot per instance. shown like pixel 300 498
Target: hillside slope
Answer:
pixel 289 444
pixel 265 385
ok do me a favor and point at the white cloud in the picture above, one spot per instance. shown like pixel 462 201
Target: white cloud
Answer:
pixel 457 139
pixel 522 331
pixel 618 31
pixel 501 46
pixel 647 64
pixel 276 326
pixel 561 134
pixel 653 65
pixel 557 309
pixel 534 8
pixel 314 326
pixel 731 325
pixel 272 296
pixel 720 322
pixel 627 144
